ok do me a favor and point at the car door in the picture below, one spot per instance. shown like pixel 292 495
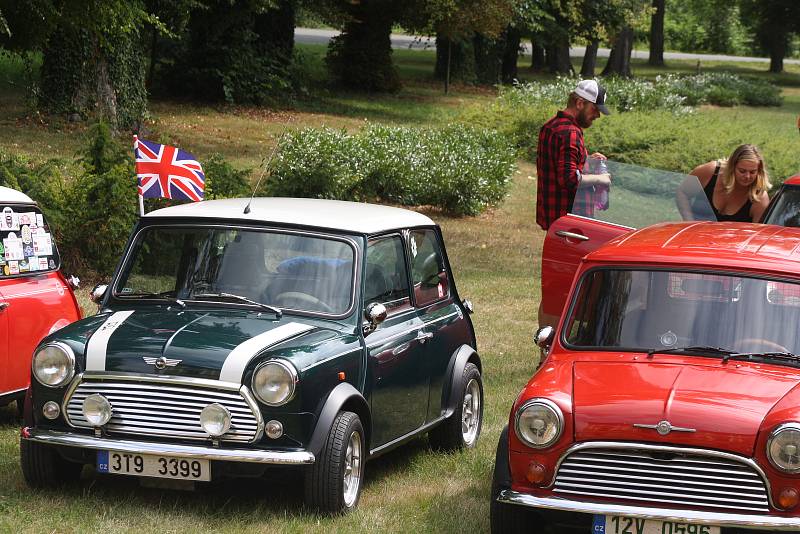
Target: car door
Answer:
pixel 638 197
pixel 396 361
pixel 445 326
pixel 6 381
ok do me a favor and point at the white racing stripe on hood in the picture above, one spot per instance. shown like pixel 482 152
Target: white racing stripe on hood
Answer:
pixel 98 343
pixel 237 360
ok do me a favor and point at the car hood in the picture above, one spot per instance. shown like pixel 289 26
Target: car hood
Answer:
pixel 217 345
pixel 719 405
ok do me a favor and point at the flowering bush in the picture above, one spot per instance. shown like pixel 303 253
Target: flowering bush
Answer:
pixel 460 169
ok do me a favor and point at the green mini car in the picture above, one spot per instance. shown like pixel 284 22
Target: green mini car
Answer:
pixel 236 336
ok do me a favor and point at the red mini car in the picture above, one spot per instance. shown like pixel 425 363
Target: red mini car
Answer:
pixel 668 400
pixel 35 298
pixel 784 208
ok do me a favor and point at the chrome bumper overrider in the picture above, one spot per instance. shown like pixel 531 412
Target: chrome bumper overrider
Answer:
pixel 50 437
pixel 757 522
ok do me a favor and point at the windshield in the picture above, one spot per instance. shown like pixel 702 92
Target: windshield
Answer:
pixel 26 242
pixel 640 196
pixel 644 310
pixel 786 211
pixel 285 270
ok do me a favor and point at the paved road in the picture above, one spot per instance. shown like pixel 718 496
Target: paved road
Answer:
pixel 307 35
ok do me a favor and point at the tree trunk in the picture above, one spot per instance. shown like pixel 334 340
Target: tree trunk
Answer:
pixel 537 56
pixel 777 44
pixel 657 34
pixel 489 58
pixel 558 60
pixel 511 55
pixel 619 60
pixel 361 56
pixel 590 59
pixel 462 60
pixel 78 75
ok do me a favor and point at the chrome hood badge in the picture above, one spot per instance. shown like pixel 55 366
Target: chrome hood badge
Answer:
pixel 665 427
pixel 160 362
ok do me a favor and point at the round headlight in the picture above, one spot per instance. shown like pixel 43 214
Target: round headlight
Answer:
pixel 53 365
pixel 539 423
pixel 274 382
pixel 96 409
pixel 215 419
pixel 783 447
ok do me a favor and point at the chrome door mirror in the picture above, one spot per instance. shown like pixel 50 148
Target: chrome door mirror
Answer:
pixel 544 336
pixel 98 293
pixel 375 314
pixel 468 306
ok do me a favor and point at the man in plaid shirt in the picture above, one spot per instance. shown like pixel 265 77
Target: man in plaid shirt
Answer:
pixel 561 156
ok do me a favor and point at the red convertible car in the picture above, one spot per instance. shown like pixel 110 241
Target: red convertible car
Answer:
pixel 36 299
pixel 668 400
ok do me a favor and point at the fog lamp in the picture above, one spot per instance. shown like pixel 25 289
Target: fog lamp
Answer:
pixel 274 429
pixel 96 409
pixel 215 419
pixel 51 410
pixel 788 498
pixel 536 473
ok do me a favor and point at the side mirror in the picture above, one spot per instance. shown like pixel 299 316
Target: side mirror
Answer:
pixel 98 293
pixel 544 336
pixel 468 306
pixel 375 314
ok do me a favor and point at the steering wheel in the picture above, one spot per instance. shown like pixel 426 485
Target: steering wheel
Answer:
pixel 756 344
pixel 291 299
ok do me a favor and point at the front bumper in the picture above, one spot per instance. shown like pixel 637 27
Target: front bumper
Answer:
pixel 750 521
pixel 51 437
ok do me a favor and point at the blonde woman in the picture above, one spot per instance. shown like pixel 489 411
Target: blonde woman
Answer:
pixel 736 188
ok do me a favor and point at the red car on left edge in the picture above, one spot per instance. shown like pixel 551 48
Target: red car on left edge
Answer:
pixel 36 299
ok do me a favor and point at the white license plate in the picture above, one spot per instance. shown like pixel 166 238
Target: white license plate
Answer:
pixel 615 524
pixel 152 465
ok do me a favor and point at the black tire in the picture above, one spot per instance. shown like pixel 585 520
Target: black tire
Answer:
pixel 325 488
pixel 507 518
pixel 450 435
pixel 43 467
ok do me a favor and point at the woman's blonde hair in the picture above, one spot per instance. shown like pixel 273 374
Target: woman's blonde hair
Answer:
pixel 749 153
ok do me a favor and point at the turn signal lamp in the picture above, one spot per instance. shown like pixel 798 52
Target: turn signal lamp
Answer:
pixel 788 498
pixel 536 473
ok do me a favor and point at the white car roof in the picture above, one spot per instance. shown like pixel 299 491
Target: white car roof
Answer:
pixel 354 217
pixel 12 195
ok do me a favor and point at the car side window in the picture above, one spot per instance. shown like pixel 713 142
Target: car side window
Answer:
pixel 386 277
pixel 428 272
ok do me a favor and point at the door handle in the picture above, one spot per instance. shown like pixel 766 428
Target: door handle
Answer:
pixel 571 235
pixel 4 305
pixel 423 337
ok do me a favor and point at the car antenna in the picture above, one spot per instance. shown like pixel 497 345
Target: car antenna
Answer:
pixel 264 166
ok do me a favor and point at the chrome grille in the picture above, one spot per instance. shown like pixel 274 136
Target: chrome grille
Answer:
pixel 663 477
pixel 164 410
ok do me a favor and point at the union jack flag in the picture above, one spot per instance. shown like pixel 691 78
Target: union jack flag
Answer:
pixel 167 171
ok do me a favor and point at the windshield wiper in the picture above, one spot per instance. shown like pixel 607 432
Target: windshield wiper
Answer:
pixel 164 295
pixel 693 349
pixel 778 355
pixel 277 311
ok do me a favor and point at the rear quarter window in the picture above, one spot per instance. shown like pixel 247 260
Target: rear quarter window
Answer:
pixel 26 241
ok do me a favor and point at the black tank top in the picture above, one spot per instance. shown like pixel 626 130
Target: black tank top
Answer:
pixel 743 215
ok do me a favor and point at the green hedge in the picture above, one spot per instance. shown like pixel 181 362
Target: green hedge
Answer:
pixel 459 169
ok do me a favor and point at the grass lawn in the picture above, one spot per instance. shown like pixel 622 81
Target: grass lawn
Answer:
pixel 496 261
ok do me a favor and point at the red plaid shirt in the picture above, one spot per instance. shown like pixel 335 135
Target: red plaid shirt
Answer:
pixel 560 158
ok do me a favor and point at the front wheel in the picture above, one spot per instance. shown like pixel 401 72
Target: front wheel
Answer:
pixel 333 483
pixel 462 428
pixel 43 467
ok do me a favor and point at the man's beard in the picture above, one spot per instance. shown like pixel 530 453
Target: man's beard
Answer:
pixel 583 119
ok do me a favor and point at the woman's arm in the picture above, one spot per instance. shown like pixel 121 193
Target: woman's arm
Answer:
pixel 759 207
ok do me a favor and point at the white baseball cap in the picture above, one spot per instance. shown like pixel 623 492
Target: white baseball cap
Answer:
pixel 593 92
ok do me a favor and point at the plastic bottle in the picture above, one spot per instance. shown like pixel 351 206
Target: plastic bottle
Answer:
pixel 601 190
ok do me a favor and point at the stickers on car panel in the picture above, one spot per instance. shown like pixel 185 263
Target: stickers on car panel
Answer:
pixel 42 244
pixel 25 233
pixel 9 220
pixel 12 267
pixel 27 218
pixel 13 247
